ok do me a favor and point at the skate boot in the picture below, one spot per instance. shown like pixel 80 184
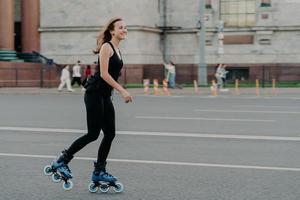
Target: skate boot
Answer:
pixel 60 170
pixel 103 181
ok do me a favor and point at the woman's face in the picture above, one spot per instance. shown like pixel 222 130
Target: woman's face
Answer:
pixel 120 30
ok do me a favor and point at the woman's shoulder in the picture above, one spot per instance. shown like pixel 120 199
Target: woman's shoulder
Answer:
pixel 106 45
pixel 106 48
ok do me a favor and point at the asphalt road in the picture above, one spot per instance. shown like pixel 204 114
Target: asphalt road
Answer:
pixel 182 147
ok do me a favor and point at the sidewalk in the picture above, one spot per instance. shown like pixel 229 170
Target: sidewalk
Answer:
pixel 294 92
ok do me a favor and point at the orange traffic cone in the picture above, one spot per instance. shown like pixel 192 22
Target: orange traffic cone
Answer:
pixel 214 88
pixel 146 86
pixel 274 92
pixel 165 88
pixel 196 89
pixel 237 90
pixel 155 87
pixel 257 87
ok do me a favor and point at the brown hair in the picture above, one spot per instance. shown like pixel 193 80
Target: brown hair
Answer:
pixel 104 35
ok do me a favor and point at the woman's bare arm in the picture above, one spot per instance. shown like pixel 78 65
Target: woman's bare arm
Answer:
pixel 105 53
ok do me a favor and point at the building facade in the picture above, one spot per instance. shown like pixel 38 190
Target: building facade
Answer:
pixel 257 39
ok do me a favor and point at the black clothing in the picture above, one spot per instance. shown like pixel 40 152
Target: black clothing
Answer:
pixel 99 167
pixel 65 157
pixel 100 114
pixel 114 68
pixel 76 80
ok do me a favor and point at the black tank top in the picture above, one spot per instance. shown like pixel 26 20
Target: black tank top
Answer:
pixel 115 65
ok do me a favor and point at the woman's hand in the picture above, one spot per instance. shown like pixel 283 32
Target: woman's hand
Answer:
pixel 126 96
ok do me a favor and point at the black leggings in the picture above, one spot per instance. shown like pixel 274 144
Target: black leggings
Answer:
pixel 76 80
pixel 100 116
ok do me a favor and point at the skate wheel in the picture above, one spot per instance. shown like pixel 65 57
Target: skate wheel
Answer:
pixel 68 185
pixel 118 187
pixel 92 187
pixel 56 178
pixel 104 188
pixel 48 170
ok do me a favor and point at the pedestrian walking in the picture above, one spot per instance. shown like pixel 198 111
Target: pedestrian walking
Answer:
pixel 65 79
pixel 170 74
pixel 87 72
pixel 76 76
pixel 224 74
pixel 99 106
pixel 221 77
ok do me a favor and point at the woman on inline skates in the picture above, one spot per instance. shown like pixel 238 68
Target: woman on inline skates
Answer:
pixel 99 106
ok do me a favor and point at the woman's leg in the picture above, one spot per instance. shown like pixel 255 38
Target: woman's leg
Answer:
pixel 94 110
pixel 219 82
pixel 109 132
pixel 223 81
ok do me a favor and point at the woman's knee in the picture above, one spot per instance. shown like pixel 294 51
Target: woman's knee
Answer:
pixel 110 135
pixel 92 136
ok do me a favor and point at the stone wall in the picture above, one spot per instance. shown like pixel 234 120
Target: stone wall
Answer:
pixel 69 30
pixel 16 74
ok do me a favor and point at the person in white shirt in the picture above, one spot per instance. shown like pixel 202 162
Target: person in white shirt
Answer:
pixel 221 76
pixel 76 74
pixel 65 79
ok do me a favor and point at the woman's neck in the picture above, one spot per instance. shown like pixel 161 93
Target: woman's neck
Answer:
pixel 115 42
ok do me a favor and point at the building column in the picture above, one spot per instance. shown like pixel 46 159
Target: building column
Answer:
pixel 7 20
pixel 30 15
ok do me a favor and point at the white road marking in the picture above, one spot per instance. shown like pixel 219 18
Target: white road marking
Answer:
pixel 204 119
pixel 210 135
pixel 191 164
pixel 163 134
pixel 249 111
pixel 263 106
pixel 31 129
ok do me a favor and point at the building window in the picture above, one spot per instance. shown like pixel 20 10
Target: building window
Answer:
pixel 238 13
pixel 208 4
pixel 241 74
pixel 265 3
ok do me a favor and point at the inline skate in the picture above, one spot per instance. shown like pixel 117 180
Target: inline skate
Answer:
pixel 60 171
pixel 103 181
